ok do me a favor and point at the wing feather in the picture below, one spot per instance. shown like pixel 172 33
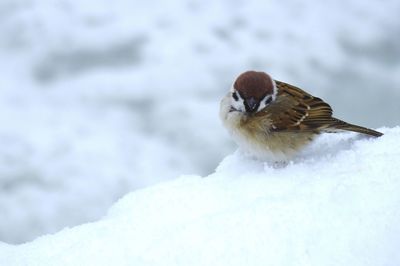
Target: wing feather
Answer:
pixel 302 110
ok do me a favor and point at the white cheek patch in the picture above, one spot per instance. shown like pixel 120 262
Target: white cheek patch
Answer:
pixel 268 99
pixel 275 90
pixel 238 104
pixel 261 106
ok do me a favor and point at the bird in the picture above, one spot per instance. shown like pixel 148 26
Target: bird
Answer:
pixel 273 121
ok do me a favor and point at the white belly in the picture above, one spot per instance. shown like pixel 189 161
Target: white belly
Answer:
pixel 261 150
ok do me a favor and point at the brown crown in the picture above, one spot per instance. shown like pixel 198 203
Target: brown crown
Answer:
pixel 254 84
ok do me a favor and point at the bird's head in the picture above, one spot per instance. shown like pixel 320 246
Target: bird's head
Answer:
pixel 252 91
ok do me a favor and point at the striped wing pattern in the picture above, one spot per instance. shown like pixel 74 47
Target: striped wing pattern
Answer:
pixel 296 109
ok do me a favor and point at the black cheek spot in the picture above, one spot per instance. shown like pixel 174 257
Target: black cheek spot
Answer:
pixel 268 100
pixel 235 96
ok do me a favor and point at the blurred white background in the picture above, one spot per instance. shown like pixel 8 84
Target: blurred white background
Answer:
pixel 99 97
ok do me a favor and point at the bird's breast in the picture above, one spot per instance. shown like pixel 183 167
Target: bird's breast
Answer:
pixel 254 136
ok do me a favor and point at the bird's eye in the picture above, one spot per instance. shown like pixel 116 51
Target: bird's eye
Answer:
pixel 235 96
pixel 268 100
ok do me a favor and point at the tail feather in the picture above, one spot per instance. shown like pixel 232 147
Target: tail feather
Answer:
pixel 341 125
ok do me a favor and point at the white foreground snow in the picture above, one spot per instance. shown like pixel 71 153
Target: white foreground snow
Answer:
pixel 337 205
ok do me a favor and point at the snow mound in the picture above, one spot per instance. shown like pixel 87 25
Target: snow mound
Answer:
pixel 337 205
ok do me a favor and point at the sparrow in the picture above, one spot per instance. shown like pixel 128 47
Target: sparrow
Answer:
pixel 273 121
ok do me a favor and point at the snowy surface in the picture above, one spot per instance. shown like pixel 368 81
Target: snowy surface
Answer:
pixel 338 205
pixel 99 98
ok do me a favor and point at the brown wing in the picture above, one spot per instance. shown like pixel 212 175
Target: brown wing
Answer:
pixel 295 110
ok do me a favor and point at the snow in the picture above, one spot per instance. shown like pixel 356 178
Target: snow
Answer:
pixel 336 205
pixel 99 98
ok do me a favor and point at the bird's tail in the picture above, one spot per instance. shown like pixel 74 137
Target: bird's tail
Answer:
pixel 341 125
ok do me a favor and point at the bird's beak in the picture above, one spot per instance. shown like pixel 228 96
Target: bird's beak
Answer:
pixel 251 104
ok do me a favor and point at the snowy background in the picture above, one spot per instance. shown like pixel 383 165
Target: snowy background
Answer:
pixel 337 205
pixel 99 98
